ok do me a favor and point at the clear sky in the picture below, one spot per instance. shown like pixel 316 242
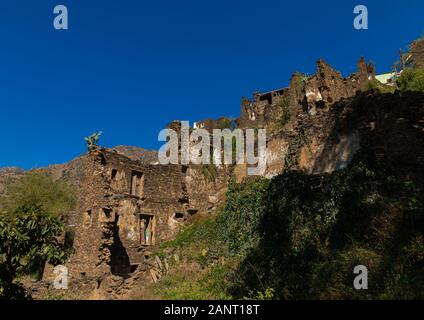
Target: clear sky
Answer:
pixel 130 67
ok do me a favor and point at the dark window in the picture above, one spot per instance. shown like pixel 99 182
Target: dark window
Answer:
pixel 133 268
pixel 179 216
pixel 107 213
pixel 114 173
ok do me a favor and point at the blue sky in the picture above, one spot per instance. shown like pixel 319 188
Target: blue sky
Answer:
pixel 130 67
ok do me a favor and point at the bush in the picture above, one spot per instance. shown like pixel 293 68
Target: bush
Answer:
pixel 411 80
pixel 377 86
pixel 299 80
pixel 239 222
pixel 29 235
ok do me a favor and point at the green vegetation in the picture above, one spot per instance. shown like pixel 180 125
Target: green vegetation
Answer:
pixel 299 80
pixel 28 235
pixel 411 80
pixel 194 285
pixel 284 106
pixel 243 211
pixel 377 86
pixel 203 268
pixel 209 172
pixel 197 242
pixel 63 295
pixel 315 229
pixel 93 139
pixel 268 294
pixel 300 236
pixel 301 139
pixel 283 119
pixel 56 197
pixel 29 228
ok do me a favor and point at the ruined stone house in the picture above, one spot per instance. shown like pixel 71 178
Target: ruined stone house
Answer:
pixel 323 88
pixel 127 208
pixel 306 96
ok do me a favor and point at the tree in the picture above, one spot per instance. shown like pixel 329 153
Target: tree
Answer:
pixel 28 235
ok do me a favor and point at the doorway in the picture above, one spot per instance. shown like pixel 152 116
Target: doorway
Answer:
pixel 147 229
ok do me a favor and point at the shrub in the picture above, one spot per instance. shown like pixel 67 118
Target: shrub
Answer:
pixel 268 294
pixel 29 235
pixel 238 223
pixel 377 86
pixel 411 80
pixel 299 80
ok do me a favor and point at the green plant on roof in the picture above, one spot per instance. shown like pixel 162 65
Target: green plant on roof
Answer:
pixel 93 139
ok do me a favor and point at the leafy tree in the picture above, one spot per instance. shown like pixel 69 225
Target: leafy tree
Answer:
pixel 56 197
pixel 28 235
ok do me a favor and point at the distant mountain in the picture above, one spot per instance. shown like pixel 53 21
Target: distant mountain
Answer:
pixel 136 153
pixel 73 171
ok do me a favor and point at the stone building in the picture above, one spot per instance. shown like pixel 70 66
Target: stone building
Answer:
pixel 322 89
pixel 306 95
pixel 127 208
pixel 261 110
